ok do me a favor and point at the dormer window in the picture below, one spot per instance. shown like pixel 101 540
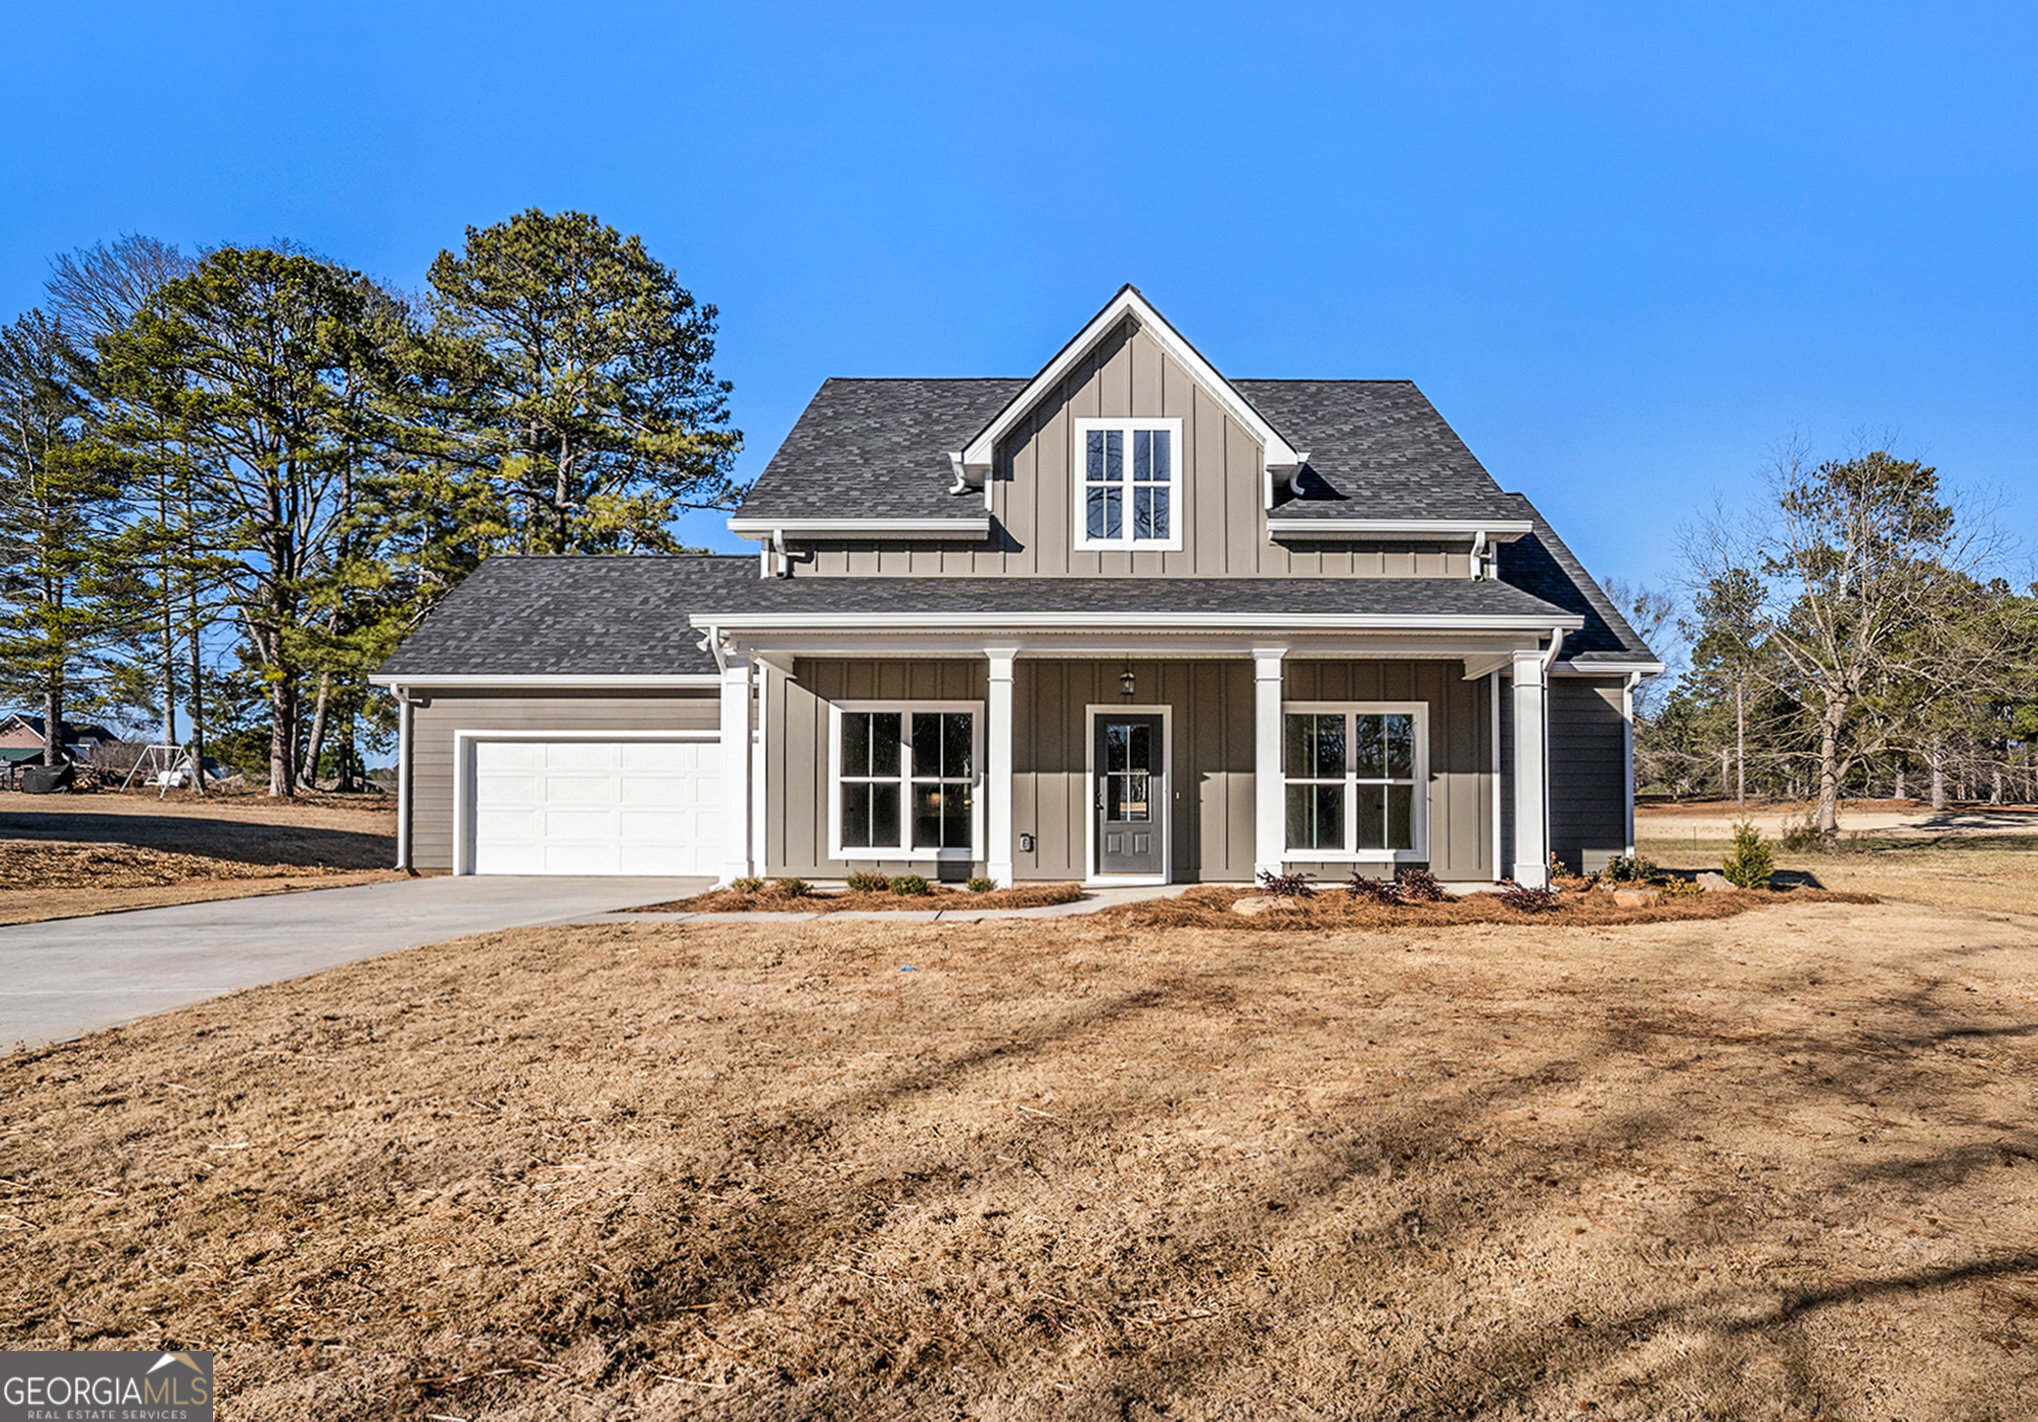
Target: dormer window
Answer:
pixel 1128 481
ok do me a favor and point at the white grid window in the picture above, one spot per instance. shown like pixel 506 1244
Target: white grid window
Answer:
pixel 905 779
pixel 1356 781
pixel 1128 484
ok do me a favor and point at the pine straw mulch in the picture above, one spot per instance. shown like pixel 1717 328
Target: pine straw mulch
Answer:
pixel 771 899
pixel 1211 906
pixel 57 864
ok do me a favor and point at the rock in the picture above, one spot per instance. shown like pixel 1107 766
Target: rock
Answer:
pixel 1636 898
pixel 1251 907
pixel 1715 883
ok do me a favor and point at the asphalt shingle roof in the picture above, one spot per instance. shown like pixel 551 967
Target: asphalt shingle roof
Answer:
pixel 562 615
pixel 1390 597
pixel 1541 564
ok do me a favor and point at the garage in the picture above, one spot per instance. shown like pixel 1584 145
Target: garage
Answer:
pixel 561 804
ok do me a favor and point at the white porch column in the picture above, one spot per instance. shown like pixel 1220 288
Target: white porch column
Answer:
pixel 735 768
pixel 998 768
pixel 1270 816
pixel 1531 772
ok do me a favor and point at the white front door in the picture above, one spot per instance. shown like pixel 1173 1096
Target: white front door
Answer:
pixel 596 807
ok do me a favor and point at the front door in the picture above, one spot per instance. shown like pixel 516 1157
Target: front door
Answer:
pixel 1131 773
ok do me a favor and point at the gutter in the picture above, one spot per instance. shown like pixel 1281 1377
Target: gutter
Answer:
pixel 886 530
pixel 886 622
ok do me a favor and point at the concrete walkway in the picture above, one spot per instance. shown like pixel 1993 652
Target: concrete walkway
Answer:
pixel 75 975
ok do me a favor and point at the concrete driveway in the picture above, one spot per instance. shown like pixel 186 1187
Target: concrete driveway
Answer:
pixel 77 975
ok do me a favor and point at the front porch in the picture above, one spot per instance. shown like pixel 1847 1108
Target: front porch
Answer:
pixel 1183 764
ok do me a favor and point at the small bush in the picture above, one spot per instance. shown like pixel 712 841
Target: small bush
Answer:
pixel 1419 886
pixel 908 885
pixel 1628 869
pixel 1675 888
pixel 746 885
pixel 1801 836
pixel 1750 862
pixel 1524 899
pixel 1373 891
pixel 1286 886
pixel 791 888
pixel 980 885
pixel 868 883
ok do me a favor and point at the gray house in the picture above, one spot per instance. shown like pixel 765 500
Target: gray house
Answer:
pixel 1126 620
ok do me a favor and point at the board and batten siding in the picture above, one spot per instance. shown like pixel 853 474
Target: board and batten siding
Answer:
pixel 1588 772
pixel 1210 760
pixel 1221 483
pixel 433 726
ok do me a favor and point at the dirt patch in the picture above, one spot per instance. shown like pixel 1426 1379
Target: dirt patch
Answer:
pixel 1779 1165
pixel 766 900
pixel 1214 906
pixel 325 832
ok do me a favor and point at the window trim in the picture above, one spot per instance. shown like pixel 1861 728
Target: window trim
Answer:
pixel 903 850
pixel 1418 813
pixel 1176 485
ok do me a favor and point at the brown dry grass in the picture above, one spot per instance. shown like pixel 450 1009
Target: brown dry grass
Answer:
pixel 938 897
pixel 1213 906
pixel 42 905
pixel 1778 1165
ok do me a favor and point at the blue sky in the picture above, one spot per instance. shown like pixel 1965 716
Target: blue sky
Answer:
pixel 1626 249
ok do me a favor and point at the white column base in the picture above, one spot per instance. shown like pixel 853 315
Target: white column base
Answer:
pixel 1531 773
pixel 736 863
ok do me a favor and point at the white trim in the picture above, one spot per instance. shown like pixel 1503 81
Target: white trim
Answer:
pixel 1080 495
pixel 1627 716
pixel 735 736
pixel 1278 453
pixel 1142 621
pixel 1531 867
pixel 1493 748
pixel 760 676
pixel 519 682
pixel 887 530
pixel 1090 714
pixel 463 771
pixel 1418 852
pixel 1415 529
pixel 405 714
pixel 838 851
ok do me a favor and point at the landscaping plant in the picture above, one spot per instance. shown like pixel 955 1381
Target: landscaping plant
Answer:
pixel 1751 861
pixel 791 888
pixel 1525 899
pixel 910 885
pixel 868 883
pixel 1419 886
pixel 1286 886
pixel 980 885
pixel 1376 891
pixel 746 885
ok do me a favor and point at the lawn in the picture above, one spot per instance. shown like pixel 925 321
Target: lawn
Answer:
pixel 1775 1165
pixel 62 856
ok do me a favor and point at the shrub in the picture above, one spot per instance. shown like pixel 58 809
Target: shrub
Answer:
pixel 908 885
pixel 1800 836
pixel 868 883
pixel 1527 900
pixel 1376 891
pixel 746 885
pixel 1628 869
pixel 791 888
pixel 1750 862
pixel 1419 886
pixel 980 885
pixel 1286 886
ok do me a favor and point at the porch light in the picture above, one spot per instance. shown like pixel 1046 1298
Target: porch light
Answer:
pixel 1126 683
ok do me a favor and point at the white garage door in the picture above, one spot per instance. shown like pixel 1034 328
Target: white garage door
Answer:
pixel 596 807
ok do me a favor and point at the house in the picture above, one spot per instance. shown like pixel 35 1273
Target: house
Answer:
pixel 1126 620
pixel 21 733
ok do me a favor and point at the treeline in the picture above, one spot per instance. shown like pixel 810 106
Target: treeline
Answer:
pixel 1853 635
pixel 231 481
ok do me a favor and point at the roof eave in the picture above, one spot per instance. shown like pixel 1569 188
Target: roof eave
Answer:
pixel 879 530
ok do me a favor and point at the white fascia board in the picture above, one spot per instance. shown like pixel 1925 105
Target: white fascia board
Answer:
pixel 1500 530
pixel 541 682
pixel 1607 669
pixel 883 530
pixel 1278 453
pixel 877 622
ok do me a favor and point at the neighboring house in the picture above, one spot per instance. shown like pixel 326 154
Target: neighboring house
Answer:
pixel 1127 620
pixel 20 731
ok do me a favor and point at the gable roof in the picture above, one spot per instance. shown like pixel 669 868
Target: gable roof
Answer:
pixel 571 615
pixel 1128 304
pixel 1541 564
pixel 73 733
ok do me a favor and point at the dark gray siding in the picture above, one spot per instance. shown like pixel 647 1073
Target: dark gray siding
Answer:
pixel 1588 772
pixel 433 725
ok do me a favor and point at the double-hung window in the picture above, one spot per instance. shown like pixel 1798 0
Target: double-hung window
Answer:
pixel 1356 780
pixel 1128 484
pixel 904 780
